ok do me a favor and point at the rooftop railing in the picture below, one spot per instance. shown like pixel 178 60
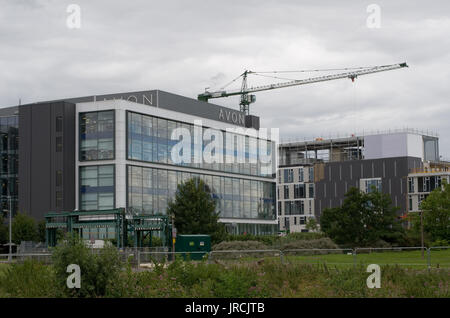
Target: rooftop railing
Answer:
pixel 337 135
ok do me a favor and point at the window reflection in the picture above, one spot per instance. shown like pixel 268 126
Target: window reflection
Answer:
pixel 149 190
pixel 97 135
pixel 149 140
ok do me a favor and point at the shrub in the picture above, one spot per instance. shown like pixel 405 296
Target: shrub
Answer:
pixel 266 239
pixel 275 240
pixel 323 243
pixel 97 268
pixel 240 245
pixel 439 243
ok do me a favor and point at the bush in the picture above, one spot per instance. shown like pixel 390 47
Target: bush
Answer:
pixel 323 243
pixel 240 245
pixel 98 268
pixel 439 243
pixel 274 240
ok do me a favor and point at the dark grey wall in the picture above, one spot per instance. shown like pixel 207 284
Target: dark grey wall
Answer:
pixel 39 160
pixel 339 177
pixel 178 103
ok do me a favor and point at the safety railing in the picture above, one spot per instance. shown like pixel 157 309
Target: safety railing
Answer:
pixel 404 256
pixel 433 257
pixel 45 258
pixel 319 256
pixel 149 259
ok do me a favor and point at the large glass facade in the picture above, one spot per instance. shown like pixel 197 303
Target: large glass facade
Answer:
pixel 149 190
pixel 149 140
pixel 9 168
pixel 97 187
pixel 97 135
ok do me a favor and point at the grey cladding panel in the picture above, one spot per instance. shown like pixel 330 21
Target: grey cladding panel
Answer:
pixel 39 159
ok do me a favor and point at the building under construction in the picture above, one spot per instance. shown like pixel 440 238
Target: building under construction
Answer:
pixel 316 174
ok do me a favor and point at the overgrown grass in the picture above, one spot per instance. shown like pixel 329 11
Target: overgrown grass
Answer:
pixel 264 278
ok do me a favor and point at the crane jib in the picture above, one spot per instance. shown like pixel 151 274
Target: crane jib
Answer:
pixel 246 90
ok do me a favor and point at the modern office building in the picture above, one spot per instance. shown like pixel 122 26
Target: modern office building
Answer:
pixel 422 181
pixel 115 151
pixel 315 175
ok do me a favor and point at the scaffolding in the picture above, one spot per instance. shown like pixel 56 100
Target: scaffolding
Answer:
pixel 320 151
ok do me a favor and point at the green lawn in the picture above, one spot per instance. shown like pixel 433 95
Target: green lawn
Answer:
pixel 403 258
pixel 412 258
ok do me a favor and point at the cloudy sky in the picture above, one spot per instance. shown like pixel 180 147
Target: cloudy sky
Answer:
pixel 185 46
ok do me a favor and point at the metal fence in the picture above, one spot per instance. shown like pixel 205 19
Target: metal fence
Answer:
pixel 433 257
pixel 45 258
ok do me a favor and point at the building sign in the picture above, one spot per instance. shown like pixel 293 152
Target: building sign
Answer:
pixel 232 117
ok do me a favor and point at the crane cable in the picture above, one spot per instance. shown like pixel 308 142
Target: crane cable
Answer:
pixel 320 70
pixel 298 71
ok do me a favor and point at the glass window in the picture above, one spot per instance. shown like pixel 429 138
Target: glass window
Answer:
pixel 171 126
pixel 149 139
pixel 299 207
pixel 311 174
pixel 162 140
pixel 301 175
pixel 311 190
pixel 369 185
pixel 97 187
pixel 299 191
pixel 411 185
pixel 59 124
pixel 97 135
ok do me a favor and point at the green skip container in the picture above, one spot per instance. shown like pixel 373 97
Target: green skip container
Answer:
pixel 190 243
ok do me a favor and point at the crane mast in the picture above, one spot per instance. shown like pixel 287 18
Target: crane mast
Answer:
pixel 247 98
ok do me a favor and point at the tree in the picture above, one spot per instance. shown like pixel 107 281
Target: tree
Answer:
pixel 193 210
pixel 41 231
pixel 312 225
pixel 23 228
pixel 436 214
pixel 362 220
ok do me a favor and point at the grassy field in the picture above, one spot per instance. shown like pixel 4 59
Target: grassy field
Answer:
pixel 403 258
pixel 410 259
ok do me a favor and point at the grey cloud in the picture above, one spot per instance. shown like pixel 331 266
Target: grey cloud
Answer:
pixel 185 46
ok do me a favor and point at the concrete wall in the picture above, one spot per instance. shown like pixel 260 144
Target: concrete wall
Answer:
pixel 393 145
pixel 39 159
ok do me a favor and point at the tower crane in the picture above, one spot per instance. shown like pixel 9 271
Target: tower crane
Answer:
pixel 247 98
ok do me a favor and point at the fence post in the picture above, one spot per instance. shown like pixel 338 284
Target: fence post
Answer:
pixel 354 257
pixel 209 257
pixel 138 259
pixel 429 257
pixel 281 257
